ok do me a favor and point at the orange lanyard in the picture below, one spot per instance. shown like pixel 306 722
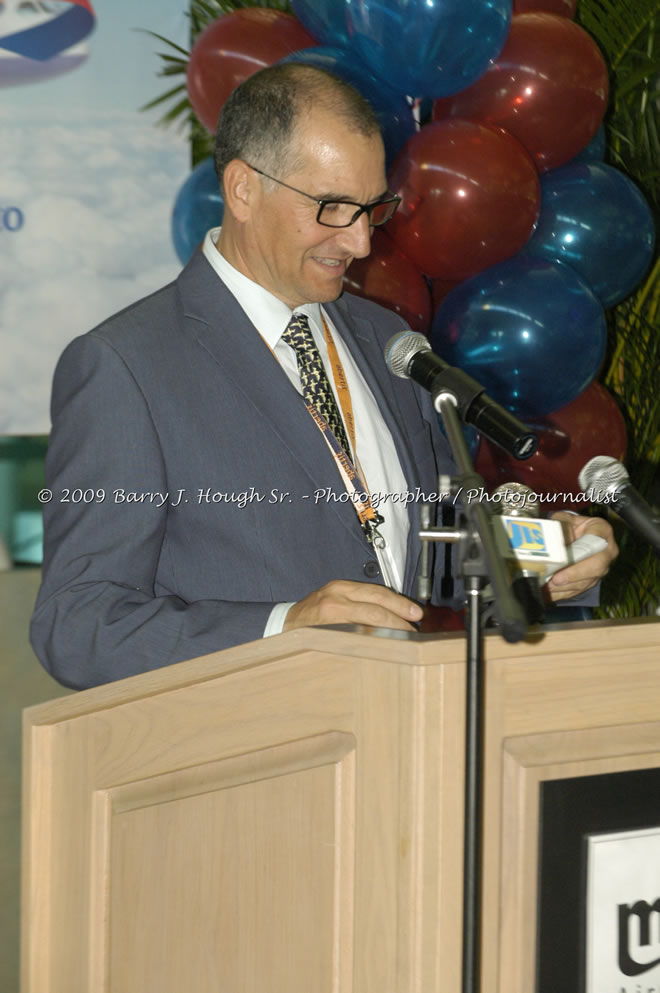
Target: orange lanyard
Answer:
pixel 341 385
pixel 367 515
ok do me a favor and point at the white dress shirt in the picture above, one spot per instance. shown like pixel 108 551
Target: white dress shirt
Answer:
pixel 375 451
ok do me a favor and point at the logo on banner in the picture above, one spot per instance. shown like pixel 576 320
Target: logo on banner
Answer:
pixel 623 912
pixel 11 219
pixel 40 39
pixel 641 921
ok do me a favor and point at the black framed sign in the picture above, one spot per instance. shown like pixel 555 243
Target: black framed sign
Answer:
pixel 599 885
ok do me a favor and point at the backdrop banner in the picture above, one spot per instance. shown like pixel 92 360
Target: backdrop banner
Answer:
pixel 87 180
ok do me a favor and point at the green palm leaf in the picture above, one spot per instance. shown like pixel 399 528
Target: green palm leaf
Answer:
pixel 628 32
pixel 201 13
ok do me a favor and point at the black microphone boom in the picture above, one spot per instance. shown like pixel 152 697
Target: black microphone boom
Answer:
pixel 606 481
pixel 409 355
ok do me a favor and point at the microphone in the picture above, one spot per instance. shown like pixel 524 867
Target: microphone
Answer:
pixel 537 546
pixel 409 356
pixel 534 548
pixel 606 481
pixel 518 505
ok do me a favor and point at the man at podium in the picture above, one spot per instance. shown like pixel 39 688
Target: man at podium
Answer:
pixel 225 434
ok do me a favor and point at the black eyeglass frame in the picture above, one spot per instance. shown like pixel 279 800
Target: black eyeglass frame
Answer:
pixel 362 208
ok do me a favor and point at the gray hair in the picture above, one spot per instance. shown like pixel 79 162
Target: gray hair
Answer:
pixel 258 121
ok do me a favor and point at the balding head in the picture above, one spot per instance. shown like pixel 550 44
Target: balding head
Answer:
pixel 259 121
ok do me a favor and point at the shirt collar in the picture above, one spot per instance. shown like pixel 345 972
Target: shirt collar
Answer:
pixel 269 315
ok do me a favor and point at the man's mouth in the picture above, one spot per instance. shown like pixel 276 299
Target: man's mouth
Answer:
pixel 338 264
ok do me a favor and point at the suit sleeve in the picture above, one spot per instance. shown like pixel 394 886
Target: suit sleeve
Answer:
pixel 97 616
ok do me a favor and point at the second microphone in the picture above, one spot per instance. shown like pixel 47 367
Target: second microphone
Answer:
pixel 409 356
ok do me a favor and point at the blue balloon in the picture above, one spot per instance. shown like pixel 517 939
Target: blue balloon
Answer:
pixel 595 150
pixel 595 219
pixel 428 48
pixel 392 109
pixel 198 207
pixel 324 19
pixel 530 331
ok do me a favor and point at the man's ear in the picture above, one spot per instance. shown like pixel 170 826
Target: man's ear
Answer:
pixel 240 189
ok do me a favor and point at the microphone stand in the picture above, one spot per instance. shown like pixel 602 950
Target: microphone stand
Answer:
pixel 479 563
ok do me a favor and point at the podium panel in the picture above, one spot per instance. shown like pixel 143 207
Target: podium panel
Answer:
pixel 272 818
pixel 169 842
pixel 587 705
pixel 288 815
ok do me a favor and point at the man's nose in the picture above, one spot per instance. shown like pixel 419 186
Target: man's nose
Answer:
pixel 356 239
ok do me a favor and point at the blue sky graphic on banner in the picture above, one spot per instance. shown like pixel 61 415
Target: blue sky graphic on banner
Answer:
pixel 87 181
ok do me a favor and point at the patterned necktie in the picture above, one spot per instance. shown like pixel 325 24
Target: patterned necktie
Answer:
pixel 315 385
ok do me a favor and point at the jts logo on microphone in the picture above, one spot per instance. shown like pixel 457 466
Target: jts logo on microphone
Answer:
pixel 535 544
pixel 527 536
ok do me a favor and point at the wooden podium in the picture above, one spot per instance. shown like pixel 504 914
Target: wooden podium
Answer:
pixel 287 816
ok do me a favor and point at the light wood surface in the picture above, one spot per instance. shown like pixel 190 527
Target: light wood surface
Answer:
pixel 288 815
pixel 23 683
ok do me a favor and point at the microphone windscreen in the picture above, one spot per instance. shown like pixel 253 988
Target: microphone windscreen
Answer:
pixel 401 350
pixel 603 472
pixel 515 500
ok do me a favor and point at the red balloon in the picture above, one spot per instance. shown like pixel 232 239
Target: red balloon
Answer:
pixel 440 288
pixel 565 8
pixel 470 198
pixel 389 278
pixel 233 48
pixel 591 425
pixel 548 87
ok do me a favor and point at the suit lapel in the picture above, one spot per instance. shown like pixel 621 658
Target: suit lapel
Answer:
pixel 215 318
pixel 361 340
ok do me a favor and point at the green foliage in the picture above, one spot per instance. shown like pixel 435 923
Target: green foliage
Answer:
pixel 633 373
pixel 175 63
pixel 203 12
pixel 628 32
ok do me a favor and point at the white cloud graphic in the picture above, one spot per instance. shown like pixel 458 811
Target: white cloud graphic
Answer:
pixel 96 195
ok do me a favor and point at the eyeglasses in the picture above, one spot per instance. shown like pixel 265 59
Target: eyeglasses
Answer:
pixel 343 213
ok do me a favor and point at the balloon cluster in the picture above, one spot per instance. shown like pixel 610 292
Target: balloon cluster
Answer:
pixel 512 235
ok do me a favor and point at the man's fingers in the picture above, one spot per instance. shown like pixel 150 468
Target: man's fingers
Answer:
pixel 369 593
pixel 578 578
pixel 571 588
pixel 344 602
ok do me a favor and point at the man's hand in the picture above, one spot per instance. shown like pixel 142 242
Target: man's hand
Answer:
pixel 579 578
pixel 346 602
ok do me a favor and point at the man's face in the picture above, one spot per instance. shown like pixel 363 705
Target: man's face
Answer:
pixel 287 251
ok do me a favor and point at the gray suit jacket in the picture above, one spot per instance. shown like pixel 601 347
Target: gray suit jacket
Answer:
pixel 191 489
